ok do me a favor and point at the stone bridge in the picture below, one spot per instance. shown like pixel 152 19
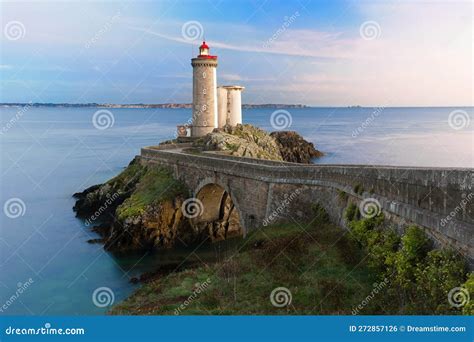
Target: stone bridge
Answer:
pixel 440 200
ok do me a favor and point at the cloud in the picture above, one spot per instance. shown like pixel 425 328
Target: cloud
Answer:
pixel 302 43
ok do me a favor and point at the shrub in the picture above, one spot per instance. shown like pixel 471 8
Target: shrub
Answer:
pixel 352 213
pixel 415 246
pixel 441 271
pixel 382 246
pixel 380 243
pixel 468 309
pixel 420 278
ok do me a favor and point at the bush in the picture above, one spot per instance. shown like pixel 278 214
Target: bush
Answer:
pixel 415 246
pixel 382 246
pixel 380 243
pixel 468 309
pixel 420 278
pixel 352 213
pixel 441 271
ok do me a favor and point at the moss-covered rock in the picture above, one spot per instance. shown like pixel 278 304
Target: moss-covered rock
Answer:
pixel 138 209
pixel 100 201
pixel 242 141
pixel 253 142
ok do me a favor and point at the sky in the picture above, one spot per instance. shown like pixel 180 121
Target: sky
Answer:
pixel 320 53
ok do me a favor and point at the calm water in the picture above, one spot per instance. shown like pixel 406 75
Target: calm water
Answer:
pixel 48 154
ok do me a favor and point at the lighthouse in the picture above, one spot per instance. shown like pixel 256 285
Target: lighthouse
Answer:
pixel 204 92
pixel 213 106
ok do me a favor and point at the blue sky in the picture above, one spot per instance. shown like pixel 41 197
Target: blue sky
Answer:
pixel 326 53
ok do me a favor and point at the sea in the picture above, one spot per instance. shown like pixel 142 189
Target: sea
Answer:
pixel 47 267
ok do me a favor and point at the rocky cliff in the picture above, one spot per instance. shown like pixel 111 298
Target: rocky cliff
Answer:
pixel 138 209
pixel 142 209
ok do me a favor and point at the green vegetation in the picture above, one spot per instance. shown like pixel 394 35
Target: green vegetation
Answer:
pixel 127 179
pixel 319 264
pixel 420 277
pixel 232 147
pixel 468 309
pixel 352 212
pixel 326 270
pixel 154 186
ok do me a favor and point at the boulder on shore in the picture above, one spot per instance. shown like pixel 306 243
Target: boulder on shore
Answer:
pixel 294 148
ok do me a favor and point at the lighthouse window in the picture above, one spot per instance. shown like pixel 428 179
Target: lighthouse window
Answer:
pixel 204 75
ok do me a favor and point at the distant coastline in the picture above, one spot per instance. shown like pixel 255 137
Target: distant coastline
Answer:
pixel 142 105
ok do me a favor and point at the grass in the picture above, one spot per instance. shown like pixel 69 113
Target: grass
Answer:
pixel 321 267
pixel 128 177
pixel 155 185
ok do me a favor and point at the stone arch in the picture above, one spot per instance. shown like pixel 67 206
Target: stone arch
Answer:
pixel 221 214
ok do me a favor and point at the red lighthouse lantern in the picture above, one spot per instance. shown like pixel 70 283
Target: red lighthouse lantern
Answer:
pixel 204 51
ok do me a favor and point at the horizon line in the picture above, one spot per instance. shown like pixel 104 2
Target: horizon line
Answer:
pixel 105 104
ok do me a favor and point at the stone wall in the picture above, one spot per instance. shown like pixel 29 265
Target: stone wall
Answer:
pixel 439 199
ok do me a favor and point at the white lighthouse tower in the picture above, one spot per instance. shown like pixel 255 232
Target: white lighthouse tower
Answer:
pixel 213 107
pixel 204 92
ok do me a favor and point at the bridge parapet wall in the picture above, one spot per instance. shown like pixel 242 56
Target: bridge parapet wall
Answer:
pixel 440 199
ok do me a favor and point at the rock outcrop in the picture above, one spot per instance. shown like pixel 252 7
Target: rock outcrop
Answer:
pixel 294 148
pixel 138 209
pixel 249 141
pixel 103 199
pixel 160 224
pixel 142 209
pixel 242 141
